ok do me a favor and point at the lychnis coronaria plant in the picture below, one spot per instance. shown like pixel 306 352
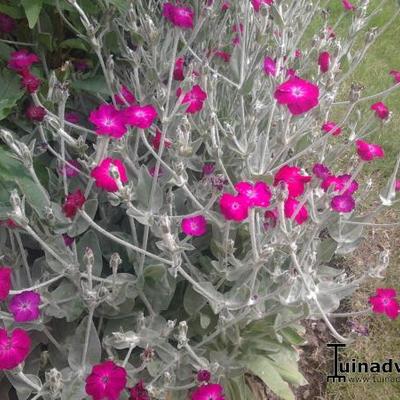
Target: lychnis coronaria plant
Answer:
pixel 175 179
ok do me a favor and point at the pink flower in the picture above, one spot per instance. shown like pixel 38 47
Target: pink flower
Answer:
pixel 369 151
pixel 290 207
pixel 332 128
pixel 271 218
pixel 70 172
pixel 108 121
pixel 5 281
pixel 269 66
pixel 293 179
pixel 156 141
pixel 30 82
pixel 384 302
pixel 298 53
pixel 80 65
pixel 152 171
pixel 257 4
pixel 397 185
pixel 139 392
pixel 203 375
pixel 106 381
pixel 25 306
pixel 181 17
pixel 125 96
pixel 208 169
pixel 396 76
pixel 73 202
pixel 321 171
pixel 194 226
pixel 14 348
pixel 194 98
pixel 257 195
pixel 178 69
pixel 223 55
pixel 343 203
pixel 298 94
pixel 381 110
pixel 324 60
pixel 22 60
pixel 72 117
pixel 235 208
pixel 141 117
pixel 35 113
pixel 102 175
pixel 7 24
pixel 339 183
pixel 68 240
pixel 9 223
pixel 348 6
pixel 212 391
pixel 225 6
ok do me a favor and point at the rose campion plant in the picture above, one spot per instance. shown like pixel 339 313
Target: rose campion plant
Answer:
pixel 177 176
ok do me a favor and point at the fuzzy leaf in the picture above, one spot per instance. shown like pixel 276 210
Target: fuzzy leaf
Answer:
pixel 10 92
pixel 90 239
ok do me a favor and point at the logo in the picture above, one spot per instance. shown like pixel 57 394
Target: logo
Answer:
pixel 341 368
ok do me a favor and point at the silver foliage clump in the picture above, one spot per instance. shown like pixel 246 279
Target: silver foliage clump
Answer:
pixel 131 287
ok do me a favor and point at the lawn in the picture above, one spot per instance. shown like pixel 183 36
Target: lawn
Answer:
pixel 383 340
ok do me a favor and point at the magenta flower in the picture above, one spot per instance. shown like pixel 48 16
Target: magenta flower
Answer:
pixel 106 381
pixel 271 218
pixel 203 375
pixel 14 348
pixel 7 24
pixel 225 6
pixel 298 94
pixel 25 306
pixel 384 302
pixel 140 117
pixel 178 69
pixel 35 113
pixel 212 391
pixel 338 183
pixel 343 203
pixel 5 281
pixel 369 151
pixel 235 208
pixel 396 76
pixel 108 121
pixel 269 66
pixel 194 98
pixel 71 169
pixel 257 4
pixel 194 226
pixel 80 65
pixel 125 96
pixel 152 171
pixel 208 169
pixel 223 55
pixel 257 195
pixel 73 202
pixel 10 224
pixel 348 6
pixel 332 128
pixel 139 392
pixel 290 208
pixel 324 60
pixel 102 175
pixel 30 82
pixel 156 141
pixel 68 240
pixel 397 185
pixel 293 179
pixel 22 60
pixel 381 110
pixel 72 117
pixel 321 171
pixel 181 17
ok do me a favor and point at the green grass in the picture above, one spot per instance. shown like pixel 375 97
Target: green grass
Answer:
pixel 384 339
